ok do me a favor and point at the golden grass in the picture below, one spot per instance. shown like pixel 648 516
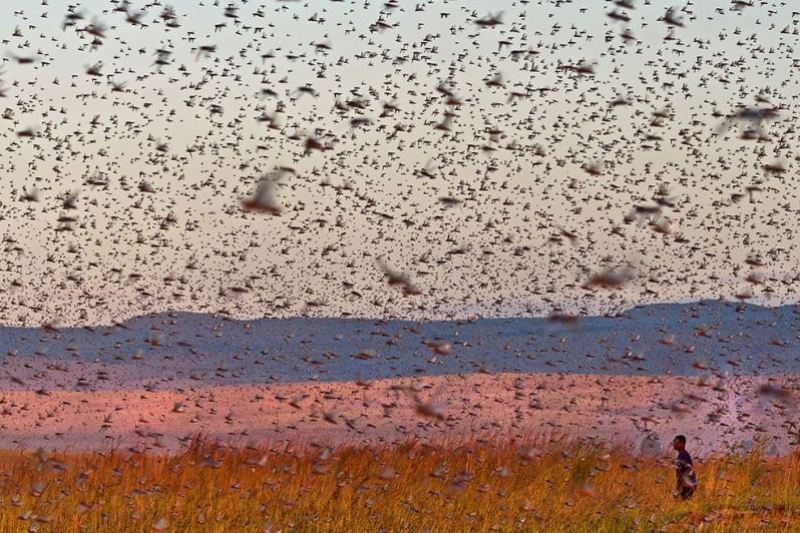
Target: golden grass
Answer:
pixel 478 486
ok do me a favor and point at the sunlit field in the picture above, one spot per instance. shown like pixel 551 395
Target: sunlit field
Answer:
pixel 477 486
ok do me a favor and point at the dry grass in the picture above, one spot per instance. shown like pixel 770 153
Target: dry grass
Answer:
pixel 479 486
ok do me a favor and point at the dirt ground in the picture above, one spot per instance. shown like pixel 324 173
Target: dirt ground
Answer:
pixel 642 411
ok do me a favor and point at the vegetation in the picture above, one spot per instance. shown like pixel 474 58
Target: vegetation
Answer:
pixel 475 486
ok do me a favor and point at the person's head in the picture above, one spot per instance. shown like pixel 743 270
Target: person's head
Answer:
pixel 679 443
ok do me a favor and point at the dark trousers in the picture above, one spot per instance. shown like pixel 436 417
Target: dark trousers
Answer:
pixel 685 483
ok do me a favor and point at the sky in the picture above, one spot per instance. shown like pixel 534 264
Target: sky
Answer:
pixel 522 204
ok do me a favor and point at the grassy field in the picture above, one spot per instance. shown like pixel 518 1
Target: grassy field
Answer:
pixel 479 486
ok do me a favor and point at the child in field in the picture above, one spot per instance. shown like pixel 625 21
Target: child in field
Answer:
pixel 685 478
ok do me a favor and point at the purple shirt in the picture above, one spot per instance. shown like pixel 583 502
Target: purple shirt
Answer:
pixel 684 456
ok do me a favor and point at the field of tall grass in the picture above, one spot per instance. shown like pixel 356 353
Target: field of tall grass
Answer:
pixel 448 487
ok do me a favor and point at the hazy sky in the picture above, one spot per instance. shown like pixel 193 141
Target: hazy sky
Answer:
pixel 504 220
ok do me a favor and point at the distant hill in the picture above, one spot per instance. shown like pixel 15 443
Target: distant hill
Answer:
pixel 685 339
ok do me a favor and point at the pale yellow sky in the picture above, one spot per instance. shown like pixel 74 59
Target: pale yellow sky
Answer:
pixel 492 254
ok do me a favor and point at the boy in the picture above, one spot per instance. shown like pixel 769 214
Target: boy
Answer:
pixel 686 480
